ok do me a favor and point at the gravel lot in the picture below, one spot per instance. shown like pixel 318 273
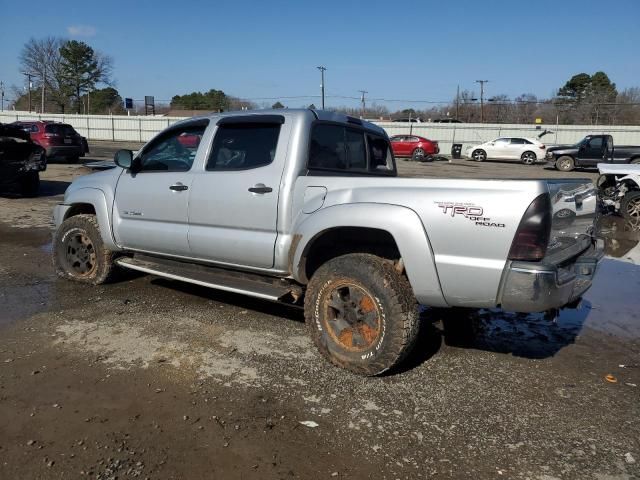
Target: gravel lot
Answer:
pixel 148 378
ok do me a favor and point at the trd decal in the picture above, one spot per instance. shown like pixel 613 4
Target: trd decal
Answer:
pixel 471 212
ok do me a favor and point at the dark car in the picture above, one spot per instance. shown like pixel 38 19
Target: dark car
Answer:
pixel 590 151
pixel 21 161
pixel 446 120
pixel 59 140
pixel 418 148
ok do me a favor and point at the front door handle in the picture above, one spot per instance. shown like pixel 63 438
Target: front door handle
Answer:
pixel 260 188
pixel 178 187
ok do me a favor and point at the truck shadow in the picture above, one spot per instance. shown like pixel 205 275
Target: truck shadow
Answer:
pixel 527 335
pixel 48 188
pixel 524 335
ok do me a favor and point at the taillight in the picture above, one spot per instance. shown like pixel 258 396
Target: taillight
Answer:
pixel 532 237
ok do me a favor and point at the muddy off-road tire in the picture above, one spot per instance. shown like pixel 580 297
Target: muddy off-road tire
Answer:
pixel 361 314
pixel 78 251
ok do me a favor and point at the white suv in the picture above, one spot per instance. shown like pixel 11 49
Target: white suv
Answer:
pixel 526 150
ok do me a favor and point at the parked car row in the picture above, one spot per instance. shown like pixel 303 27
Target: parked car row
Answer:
pixel 59 140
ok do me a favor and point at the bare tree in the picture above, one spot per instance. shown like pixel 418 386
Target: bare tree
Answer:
pixel 42 58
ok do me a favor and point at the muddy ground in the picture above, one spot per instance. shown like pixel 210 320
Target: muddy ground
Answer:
pixel 148 378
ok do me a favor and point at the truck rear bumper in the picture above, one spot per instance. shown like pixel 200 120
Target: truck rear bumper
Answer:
pixel 536 287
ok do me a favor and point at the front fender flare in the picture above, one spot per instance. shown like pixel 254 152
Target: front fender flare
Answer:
pixel 98 200
pixel 402 223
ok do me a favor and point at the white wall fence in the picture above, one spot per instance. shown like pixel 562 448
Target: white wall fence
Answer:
pixel 143 128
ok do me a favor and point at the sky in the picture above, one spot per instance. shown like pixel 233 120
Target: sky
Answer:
pixel 267 50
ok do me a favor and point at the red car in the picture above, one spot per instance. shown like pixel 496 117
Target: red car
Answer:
pixel 57 139
pixel 418 148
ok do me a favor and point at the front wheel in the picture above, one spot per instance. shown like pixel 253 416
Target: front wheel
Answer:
pixel 479 155
pixel 630 206
pixel 79 253
pixel 565 164
pixel 528 158
pixel 361 314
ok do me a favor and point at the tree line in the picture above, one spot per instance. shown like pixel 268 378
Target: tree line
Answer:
pixel 64 75
pixel 71 76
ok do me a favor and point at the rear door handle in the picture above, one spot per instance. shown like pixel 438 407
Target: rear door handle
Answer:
pixel 179 187
pixel 260 188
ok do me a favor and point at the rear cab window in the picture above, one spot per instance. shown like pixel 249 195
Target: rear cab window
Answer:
pixel 342 149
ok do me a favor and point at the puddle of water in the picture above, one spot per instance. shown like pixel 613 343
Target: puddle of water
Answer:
pixel 23 301
pixel 610 307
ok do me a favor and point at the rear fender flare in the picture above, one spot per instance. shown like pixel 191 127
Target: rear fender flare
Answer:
pixel 402 223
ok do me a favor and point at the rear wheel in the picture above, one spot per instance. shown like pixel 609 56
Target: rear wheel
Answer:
pixel 565 164
pixel 78 251
pixel 418 155
pixel 528 158
pixel 361 314
pixel 630 206
pixel 479 155
pixel 30 185
pixel 73 159
pixel 635 161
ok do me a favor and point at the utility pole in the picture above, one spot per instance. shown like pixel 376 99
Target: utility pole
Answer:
pixel 362 100
pixel 1 96
pixel 44 71
pixel 29 75
pixel 457 101
pixel 322 70
pixel 482 82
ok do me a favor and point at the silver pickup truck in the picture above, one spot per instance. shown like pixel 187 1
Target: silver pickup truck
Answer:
pixel 305 207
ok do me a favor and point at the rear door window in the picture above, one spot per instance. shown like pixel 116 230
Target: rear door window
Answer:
pixel 243 146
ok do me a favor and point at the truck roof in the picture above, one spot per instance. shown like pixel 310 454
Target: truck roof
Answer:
pixel 293 113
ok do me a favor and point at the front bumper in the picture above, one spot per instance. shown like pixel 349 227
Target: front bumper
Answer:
pixel 540 286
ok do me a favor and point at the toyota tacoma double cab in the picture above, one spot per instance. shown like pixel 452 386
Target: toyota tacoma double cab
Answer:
pixel 589 152
pixel 305 207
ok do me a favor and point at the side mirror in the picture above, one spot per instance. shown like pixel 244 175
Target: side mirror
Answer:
pixel 123 158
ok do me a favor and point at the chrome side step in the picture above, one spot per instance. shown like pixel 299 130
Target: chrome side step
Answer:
pixel 251 284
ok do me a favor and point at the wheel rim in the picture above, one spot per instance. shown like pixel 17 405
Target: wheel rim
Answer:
pixel 81 255
pixel 528 158
pixel 564 213
pixel 352 317
pixel 633 208
pixel 564 164
pixel 478 155
pixel 418 153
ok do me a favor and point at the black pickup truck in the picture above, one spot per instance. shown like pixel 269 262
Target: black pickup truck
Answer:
pixel 590 151
pixel 21 161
